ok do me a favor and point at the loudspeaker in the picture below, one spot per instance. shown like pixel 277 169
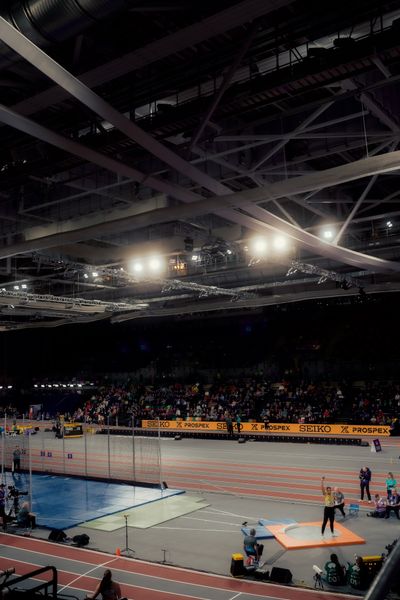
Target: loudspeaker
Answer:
pixel 242 440
pixel 281 575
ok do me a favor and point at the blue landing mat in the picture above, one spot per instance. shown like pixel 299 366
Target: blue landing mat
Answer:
pixel 63 502
pixel 262 532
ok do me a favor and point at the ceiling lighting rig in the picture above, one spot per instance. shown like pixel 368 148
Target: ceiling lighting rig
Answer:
pixel 345 281
pixel 65 302
pixel 204 291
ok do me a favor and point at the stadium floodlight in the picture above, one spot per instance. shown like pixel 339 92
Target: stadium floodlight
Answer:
pixel 259 246
pixel 280 243
pixel 85 276
pixel 24 286
pixel 155 264
pixel 16 288
pixel 136 267
pixel 195 257
pixel 95 274
pixel 9 387
pixel 389 224
pixel 327 233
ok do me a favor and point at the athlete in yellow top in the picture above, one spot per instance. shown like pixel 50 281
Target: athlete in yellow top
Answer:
pixel 329 508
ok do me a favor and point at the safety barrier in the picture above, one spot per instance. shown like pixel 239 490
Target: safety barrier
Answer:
pixel 214 435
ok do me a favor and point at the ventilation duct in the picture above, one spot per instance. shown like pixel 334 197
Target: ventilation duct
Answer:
pixel 46 22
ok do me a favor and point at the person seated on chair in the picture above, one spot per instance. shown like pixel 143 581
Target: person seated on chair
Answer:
pixel 334 571
pixel 26 518
pixel 393 503
pixel 251 547
pixel 380 507
pixel 358 576
pixel 109 589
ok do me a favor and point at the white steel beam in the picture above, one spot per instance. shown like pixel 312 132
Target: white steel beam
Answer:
pixel 317 113
pixel 212 26
pixel 39 59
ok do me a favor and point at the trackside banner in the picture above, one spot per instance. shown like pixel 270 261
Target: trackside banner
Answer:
pixel 310 428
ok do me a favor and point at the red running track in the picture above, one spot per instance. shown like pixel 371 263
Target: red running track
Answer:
pixel 79 571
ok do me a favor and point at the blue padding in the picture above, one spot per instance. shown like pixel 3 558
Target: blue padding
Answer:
pixel 62 502
pixel 261 532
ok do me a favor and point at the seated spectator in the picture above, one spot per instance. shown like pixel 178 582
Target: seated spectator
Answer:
pixel 380 507
pixel 393 504
pixel 358 576
pixel 109 589
pixel 26 518
pixel 335 573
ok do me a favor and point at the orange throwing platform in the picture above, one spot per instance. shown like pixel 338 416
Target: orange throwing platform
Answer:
pixel 308 535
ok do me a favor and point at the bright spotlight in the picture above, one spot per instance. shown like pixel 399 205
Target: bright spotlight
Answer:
pixel 85 276
pixel 280 243
pixel 328 233
pixel 24 286
pixel 16 287
pixel 229 251
pixel 195 257
pixel 95 274
pixel 155 264
pixel 389 224
pixel 137 267
pixel 259 246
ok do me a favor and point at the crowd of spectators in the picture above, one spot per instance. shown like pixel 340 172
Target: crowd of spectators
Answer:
pixel 282 402
pixel 249 398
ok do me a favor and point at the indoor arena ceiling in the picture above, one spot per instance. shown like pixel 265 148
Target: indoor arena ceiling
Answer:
pixel 169 157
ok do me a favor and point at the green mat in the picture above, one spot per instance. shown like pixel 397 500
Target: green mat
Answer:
pixel 150 514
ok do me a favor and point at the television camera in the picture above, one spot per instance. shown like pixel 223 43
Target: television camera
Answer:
pixel 14 494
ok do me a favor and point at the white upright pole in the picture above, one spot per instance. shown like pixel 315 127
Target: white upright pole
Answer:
pixel 159 456
pixel 108 447
pixel 3 456
pixel 30 470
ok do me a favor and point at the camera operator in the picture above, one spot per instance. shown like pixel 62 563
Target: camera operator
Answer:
pixel 14 495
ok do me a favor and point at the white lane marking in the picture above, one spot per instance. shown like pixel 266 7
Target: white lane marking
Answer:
pixel 235 596
pixel 86 573
pixel 192 529
pixel 210 521
pixel 231 514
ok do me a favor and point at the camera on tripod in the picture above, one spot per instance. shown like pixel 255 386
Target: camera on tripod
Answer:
pixel 14 493
pixel 318 582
